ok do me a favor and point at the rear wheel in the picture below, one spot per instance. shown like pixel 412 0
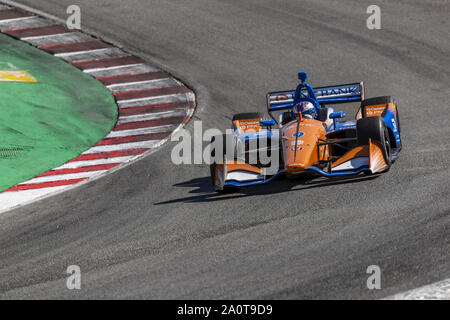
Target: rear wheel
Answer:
pixel 375 129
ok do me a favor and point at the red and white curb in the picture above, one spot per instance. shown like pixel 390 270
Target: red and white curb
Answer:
pixel 152 104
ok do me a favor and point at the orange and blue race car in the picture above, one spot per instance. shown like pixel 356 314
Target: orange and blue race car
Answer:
pixel 305 137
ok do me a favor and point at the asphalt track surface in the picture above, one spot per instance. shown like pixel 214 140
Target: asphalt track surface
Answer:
pixel 156 230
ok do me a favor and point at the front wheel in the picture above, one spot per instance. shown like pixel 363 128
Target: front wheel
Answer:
pixel 375 129
pixel 218 165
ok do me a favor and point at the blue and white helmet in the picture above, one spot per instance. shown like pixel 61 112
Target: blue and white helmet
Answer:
pixel 307 109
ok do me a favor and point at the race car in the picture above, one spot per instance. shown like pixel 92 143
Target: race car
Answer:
pixel 305 137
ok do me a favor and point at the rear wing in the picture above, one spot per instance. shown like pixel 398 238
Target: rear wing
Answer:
pixel 352 92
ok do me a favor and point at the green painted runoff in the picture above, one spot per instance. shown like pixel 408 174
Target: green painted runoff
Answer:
pixel 44 124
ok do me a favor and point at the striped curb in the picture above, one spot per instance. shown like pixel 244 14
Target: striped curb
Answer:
pixel 151 103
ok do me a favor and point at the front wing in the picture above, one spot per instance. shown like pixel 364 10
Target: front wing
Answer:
pixel 366 158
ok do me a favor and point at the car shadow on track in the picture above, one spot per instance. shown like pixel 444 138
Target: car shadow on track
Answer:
pixel 205 193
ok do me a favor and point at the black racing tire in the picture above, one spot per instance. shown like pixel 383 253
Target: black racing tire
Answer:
pixel 212 170
pixel 375 129
pixel 212 166
pixel 247 116
pixel 381 100
pixel 226 189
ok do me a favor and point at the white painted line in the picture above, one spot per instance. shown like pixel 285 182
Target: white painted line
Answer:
pixel 15 19
pixel 86 163
pixel 60 55
pixel 154 115
pixel 143 85
pixel 135 132
pixel 44 36
pixel 181 97
pixel 90 55
pixel 63 177
pixel 436 291
pixel 108 69
pixel 142 68
pixel 62 38
pixel 122 146
pixel 31 22
pixel 9 200
pixel 148 98
pixel 68 54
pixel 124 84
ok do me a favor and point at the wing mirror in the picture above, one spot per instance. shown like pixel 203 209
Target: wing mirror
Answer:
pixel 267 123
pixel 337 115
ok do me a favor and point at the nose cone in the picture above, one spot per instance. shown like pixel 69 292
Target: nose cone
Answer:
pixel 300 148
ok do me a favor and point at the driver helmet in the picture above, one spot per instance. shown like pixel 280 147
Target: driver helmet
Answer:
pixel 307 109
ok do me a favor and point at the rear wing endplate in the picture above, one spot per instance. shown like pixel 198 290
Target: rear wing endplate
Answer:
pixel 352 92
